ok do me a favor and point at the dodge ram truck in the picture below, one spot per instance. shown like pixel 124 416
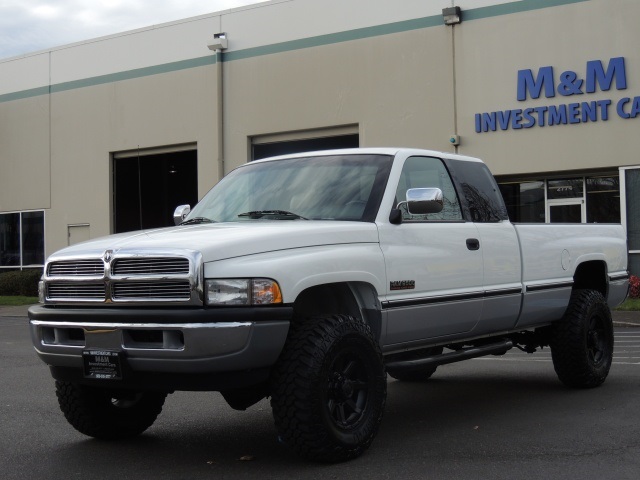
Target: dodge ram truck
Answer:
pixel 307 279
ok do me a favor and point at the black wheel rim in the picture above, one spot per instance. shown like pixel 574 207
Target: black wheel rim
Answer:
pixel 348 392
pixel 597 340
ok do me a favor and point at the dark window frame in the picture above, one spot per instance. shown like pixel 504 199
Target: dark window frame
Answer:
pixel 598 185
pixel 22 237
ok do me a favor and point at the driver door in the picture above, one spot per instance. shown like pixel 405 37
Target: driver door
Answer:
pixel 434 268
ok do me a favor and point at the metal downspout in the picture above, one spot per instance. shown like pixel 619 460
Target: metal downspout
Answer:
pixel 220 111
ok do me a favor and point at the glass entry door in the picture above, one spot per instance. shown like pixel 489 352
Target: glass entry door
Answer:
pixel 566 211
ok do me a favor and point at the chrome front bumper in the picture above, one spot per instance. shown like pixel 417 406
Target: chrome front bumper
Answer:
pixel 180 341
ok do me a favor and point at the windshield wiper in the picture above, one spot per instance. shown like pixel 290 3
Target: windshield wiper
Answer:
pixel 283 214
pixel 196 220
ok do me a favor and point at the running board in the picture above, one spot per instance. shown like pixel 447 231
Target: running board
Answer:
pixel 456 356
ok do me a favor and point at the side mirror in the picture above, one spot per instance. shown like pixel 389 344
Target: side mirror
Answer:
pixel 181 213
pixel 421 201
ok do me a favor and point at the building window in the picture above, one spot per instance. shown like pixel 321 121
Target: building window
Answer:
pixel 21 239
pixel 603 199
pixel 565 188
pixel 10 240
pixel 562 200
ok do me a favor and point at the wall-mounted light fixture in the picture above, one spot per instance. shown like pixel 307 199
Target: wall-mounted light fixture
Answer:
pixel 452 15
pixel 219 42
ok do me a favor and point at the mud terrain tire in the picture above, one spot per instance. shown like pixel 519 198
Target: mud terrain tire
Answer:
pixel 105 414
pixel 329 388
pixel 582 342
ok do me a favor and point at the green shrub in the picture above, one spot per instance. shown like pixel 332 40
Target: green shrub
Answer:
pixel 20 282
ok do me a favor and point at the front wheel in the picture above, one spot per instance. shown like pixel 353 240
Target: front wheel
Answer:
pixel 329 388
pixel 582 342
pixel 108 414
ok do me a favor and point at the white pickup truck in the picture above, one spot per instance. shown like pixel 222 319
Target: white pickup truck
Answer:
pixel 307 279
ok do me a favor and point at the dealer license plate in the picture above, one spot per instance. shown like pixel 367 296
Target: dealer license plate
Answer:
pixel 102 364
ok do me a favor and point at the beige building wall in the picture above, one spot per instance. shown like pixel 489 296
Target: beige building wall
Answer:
pixel 24 134
pixel 393 73
pixel 381 85
pixel 89 124
pixel 489 53
pixel 24 154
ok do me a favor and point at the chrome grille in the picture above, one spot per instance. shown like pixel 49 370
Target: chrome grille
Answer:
pixel 152 290
pixel 76 268
pixel 84 291
pixel 145 277
pixel 150 266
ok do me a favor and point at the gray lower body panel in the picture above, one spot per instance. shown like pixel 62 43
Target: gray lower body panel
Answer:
pixel 161 350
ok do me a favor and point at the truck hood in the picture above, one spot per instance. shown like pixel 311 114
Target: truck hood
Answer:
pixel 219 241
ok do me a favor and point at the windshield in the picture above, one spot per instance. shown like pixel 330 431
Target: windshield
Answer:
pixel 332 187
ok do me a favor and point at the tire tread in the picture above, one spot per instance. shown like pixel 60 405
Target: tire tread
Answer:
pixel 90 412
pixel 294 387
pixel 568 341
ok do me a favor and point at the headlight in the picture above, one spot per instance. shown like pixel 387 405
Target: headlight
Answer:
pixel 242 291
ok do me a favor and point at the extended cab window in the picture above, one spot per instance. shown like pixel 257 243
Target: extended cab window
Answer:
pixel 428 172
pixel 483 201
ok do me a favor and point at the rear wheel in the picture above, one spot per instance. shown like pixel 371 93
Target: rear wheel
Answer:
pixel 329 388
pixel 582 342
pixel 108 414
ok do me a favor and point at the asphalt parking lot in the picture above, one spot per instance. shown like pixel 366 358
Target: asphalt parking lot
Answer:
pixel 490 418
